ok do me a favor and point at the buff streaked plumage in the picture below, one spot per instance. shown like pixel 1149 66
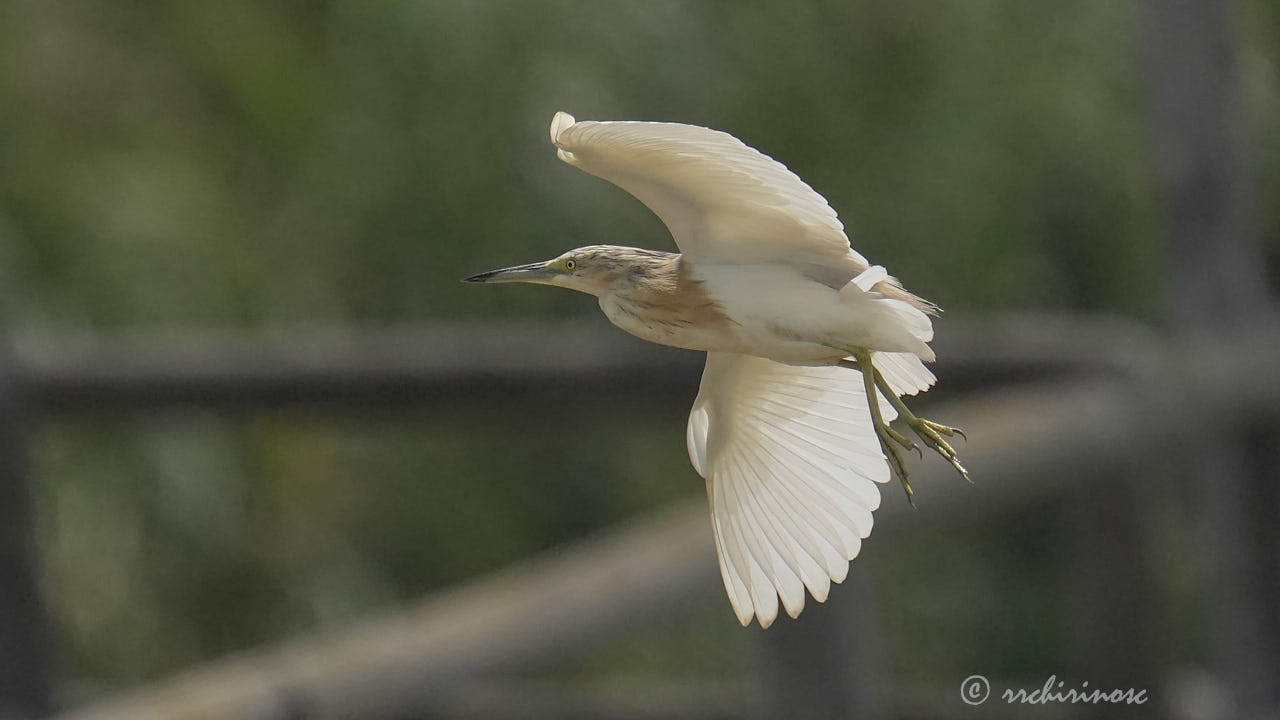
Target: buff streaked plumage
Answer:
pixel 792 444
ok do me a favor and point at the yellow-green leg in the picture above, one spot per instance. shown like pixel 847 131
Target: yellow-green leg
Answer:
pixel 930 432
pixel 889 438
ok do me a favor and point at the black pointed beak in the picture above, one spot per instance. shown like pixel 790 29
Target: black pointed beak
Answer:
pixel 533 272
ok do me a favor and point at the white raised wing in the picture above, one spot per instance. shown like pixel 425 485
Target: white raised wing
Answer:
pixel 791 462
pixel 722 200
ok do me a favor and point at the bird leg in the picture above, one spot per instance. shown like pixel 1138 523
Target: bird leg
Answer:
pixel 889 438
pixel 928 431
pixel 931 433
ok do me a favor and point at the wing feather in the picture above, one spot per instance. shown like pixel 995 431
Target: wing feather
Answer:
pixel 778 541
pixel 760 587
pixel 721 199
pixel 813 550
pixel 791 463
pixel 739 595
pixel 904 371
pixel 816 523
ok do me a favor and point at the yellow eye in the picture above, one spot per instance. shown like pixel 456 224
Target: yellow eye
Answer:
pixel 570 264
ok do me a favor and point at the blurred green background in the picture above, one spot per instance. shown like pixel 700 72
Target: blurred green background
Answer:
pixel 255 165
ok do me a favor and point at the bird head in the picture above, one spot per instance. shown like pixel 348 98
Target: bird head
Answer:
pixel 593 269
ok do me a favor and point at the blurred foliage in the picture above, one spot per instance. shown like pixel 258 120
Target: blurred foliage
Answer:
pixel 183 535
pixel 251 164
pixel 244 162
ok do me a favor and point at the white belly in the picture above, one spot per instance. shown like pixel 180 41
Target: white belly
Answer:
pixel 782 314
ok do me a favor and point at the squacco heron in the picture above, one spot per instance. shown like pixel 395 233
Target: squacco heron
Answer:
pixel 809 348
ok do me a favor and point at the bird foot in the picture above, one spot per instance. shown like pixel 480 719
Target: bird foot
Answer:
pixel 891 441
pixel 932 434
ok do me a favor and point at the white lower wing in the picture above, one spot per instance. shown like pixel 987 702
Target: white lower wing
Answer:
pixel 904 372
pixel 791 461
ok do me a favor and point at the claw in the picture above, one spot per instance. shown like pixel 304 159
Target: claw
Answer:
pixel 937 427
pixel 931 433
pixel 955 463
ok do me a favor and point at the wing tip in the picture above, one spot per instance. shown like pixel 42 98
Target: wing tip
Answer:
pixel 840 572
pixel 794 611
pixel 559 123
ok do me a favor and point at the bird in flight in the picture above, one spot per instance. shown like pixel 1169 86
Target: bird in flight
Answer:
pixel 809 348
